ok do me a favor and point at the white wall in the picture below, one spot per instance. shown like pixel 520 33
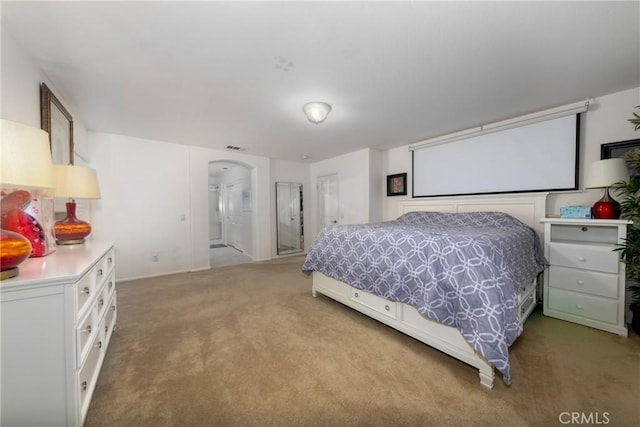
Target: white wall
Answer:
pixel 606 122
pixel 144 204
pixel 377 184
pixel 21 80
pixel 155 200
pixel 286 171
pixel 354 187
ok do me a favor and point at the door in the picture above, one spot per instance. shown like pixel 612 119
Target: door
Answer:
pixel 233 223
pixel 215 215
pixel 328 205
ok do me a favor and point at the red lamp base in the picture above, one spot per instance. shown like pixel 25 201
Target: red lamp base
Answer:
pixel 71 230
pixel 606 208
pixel 14 249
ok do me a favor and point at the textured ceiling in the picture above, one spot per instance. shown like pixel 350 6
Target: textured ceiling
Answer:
pixel 215 74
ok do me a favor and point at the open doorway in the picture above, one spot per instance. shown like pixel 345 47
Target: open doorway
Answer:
pixel 230 213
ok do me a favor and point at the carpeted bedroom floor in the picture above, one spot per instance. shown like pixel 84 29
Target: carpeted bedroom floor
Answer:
pixel 249 346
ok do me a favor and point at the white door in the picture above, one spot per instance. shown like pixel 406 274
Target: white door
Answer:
pixel 233 223
pixel 328 205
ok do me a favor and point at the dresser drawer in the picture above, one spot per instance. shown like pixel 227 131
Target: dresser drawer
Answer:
pixel 110 319
pixel 111 283
pixel 374 302
pixel 590 282
pixel 584 234
pixel 88 374
pixel 108 262
pixel 85 289
pixel 596 308
pixel 102 301
pixel 589 257
pixel 85 334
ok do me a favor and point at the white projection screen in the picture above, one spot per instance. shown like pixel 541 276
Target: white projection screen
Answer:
pixel 536 157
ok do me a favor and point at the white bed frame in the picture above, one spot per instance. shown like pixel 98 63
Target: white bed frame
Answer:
pixel 528 208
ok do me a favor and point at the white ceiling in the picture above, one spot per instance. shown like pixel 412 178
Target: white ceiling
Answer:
pixel 237 73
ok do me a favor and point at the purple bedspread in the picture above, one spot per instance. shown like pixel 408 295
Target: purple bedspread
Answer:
pixel 463 270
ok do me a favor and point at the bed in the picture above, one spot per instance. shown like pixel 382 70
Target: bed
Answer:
pixel 459 274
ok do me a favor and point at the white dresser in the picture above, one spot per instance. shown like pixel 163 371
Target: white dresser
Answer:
pixel 57 317
pixel 585 282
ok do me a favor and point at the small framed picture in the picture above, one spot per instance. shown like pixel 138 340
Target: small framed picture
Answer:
pixel 397 184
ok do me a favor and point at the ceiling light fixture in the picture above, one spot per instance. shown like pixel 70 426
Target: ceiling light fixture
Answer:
pixel 316 112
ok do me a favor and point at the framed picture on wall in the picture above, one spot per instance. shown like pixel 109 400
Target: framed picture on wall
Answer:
pixel 58 123
pixel 397 184
pixel 617 149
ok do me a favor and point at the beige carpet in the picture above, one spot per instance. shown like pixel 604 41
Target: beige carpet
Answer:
pixel 249 346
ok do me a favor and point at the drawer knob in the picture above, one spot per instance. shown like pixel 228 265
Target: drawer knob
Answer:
pixel 110 260
pixel 584 229
pixel 83 386
pixel 99 272
pixel 581 259
pixel 580 282
pixel 101 302
pixel 88 329
pixel 111 284
pixel 99 345
pixel 106 328
pixel 386 307
pixel 113 308
pixel 356 295
pixel 86 290
pixel 579 306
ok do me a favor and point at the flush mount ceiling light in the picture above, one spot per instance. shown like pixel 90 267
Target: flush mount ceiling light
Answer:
pixel 316 112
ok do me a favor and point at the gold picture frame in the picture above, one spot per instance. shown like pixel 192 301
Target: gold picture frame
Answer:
pixel 58 123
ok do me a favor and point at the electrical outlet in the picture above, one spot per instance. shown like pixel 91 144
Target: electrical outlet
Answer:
pixel 155 256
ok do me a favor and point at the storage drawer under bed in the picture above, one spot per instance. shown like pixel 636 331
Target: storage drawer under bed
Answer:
pixel 381 305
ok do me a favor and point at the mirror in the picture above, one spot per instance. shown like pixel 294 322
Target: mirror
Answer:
pixel 290 230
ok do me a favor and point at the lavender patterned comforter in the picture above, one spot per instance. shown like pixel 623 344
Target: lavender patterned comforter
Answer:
pixel 463 270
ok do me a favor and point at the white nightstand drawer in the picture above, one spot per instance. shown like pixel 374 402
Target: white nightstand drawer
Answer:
pixel 600 309
pixel 589 257
pixel 375 302
pixel 590 282
pixel 584 234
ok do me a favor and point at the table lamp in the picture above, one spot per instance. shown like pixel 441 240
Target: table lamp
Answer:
pixel 74 182
pixel 603 174
pixel 25 164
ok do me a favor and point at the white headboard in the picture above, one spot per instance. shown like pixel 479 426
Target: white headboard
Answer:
pixel 529 208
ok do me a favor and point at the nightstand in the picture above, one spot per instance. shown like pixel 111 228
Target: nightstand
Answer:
pixel 585 282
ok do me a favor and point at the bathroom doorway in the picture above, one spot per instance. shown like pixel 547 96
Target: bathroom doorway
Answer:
pixel 230 213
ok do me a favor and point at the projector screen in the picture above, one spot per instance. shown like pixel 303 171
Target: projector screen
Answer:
pixel 536 157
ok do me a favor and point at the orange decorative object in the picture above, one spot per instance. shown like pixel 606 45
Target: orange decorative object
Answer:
pixel 24 224
pixel 71 230
pixel 14 249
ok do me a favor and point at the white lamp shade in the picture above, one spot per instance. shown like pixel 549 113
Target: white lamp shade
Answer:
pixel 25 157
pixel 76 182
pixel 316 112
pixel 605 173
